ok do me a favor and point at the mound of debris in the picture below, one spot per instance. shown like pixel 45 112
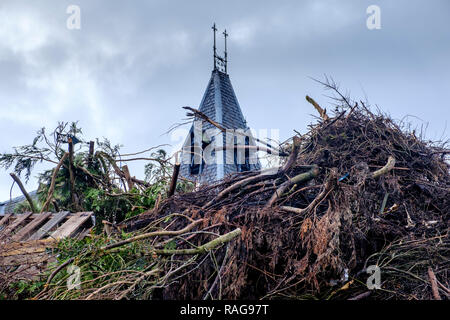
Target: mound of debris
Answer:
pixel 356 191
pixel 358 209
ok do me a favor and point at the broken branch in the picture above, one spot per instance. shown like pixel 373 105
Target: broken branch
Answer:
pixel 203 248
pixel 25 193
pixel 322 112
pixel 152 234
pixel 434 286
pixel 388 167
pixel 52 184
pixel 302 177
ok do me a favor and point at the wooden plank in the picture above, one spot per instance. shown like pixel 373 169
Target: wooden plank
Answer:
pixel 29 272
pixel 29 269
pixel 5 219
pixel 52 214
pixel 13 225
pixel 24 259
pixel 45 229
pixel 27 230
pixel 28 247
pixel 71 225
pixel 83 234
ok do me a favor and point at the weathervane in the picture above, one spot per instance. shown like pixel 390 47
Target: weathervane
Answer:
pixel 220 63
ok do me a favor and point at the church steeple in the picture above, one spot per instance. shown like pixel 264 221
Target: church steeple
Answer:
pixel 219 104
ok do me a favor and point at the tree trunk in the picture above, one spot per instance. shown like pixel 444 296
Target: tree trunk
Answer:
pixel 25 193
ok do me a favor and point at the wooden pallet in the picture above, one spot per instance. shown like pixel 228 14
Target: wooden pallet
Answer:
pixel 28 226
pixel 27 238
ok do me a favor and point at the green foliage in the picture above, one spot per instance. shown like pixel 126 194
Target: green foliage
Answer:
pixel 42 149
pixel 121 206
pixel 106 146
pixel 24 206
pixel 97 267
pixel 23 289
pixel 160 175
pixel 171 245
pixel 156 172
pixel 105 206
pixel 99 186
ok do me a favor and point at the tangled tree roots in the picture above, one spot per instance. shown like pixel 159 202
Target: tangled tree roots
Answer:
pixel 357 191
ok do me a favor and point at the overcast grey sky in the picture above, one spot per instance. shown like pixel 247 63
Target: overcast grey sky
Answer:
pixel 133 64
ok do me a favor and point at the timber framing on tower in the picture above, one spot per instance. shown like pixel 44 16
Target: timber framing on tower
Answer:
pixel 208 154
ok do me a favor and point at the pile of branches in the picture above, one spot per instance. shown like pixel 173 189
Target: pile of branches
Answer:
pixel 133 267
pixel 357 190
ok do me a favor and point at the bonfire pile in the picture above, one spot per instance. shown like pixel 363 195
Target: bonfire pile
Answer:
pixel 356 193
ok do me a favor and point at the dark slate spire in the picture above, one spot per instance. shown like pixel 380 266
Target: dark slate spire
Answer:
pixel 220 104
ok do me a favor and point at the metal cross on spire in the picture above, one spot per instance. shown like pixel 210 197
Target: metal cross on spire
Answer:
pixel 219 61
pixel 225 34
pixel 214 48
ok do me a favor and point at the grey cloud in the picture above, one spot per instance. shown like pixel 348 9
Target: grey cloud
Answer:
pixel 131 67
